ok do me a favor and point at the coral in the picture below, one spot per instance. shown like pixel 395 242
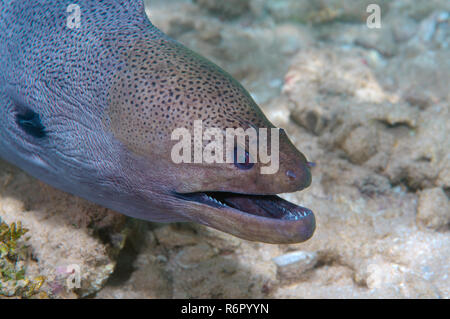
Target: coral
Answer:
pixel 13 251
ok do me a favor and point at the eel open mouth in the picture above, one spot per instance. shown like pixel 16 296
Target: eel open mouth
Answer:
pixel 270 206
pixel 275 219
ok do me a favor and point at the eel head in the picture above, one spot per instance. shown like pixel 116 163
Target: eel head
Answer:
pixel 163 86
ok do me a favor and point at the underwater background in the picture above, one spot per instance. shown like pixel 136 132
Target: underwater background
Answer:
pixel 366 99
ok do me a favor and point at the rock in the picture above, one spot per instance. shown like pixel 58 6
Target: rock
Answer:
pixel 433 209
pixel 419 11
pixel 293 265
pixel 141 270
pixel 381 40
pixel 314 119
pixel 217 239
pixel 323 77
pixel 319 12
pixel 403 28
pixel 420 158
pixel 227 9
pixel 175 235
pixel 285 10
pixel 228 43
pixel 191 257
pixel 373 185
pixel 361 144
pixel 424 71
pixel 399 282
pixel 443 179
pixel 68 236
pixel 338 97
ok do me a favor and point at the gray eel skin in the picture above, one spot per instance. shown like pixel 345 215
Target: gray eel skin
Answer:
pixel 90 111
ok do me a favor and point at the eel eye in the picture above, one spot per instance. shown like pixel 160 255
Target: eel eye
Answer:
pixel 242 159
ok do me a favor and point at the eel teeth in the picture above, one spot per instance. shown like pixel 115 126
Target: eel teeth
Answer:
pixel 215 200
pixel 294 215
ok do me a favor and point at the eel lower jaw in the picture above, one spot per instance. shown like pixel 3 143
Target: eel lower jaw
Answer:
pixel 265 218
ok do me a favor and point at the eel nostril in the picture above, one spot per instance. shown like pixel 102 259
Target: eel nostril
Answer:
pixel 311 164
pixel 291 175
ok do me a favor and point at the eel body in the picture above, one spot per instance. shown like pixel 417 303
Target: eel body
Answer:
pixel 91 110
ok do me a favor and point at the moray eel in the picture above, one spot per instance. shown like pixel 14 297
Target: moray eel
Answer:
pixel 89 106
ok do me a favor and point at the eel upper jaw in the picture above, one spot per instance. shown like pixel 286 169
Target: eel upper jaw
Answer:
pixel 265 218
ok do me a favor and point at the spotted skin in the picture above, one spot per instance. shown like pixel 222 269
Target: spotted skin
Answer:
pixel 164 85
pixel 90 110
